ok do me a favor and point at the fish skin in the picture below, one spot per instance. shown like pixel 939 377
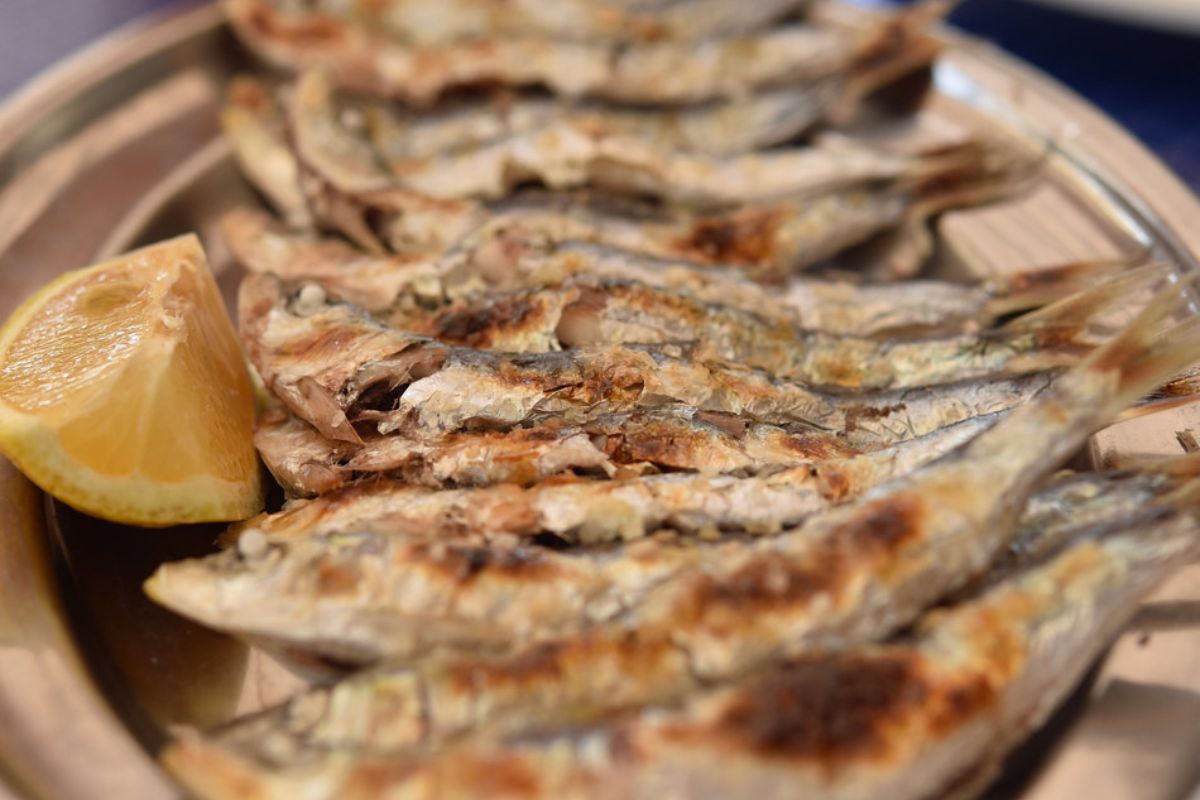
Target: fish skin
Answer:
pixel 904 720
pixel 255 124
pixel 396 558
pixel 566 154
pixel 594 512
pixel 857 573
pixel 333 366
pixel 669 438
pixel 650 73
pixel 306 463
pixel 725 128
pixel 396 287
pixel 586 312
pixel 431 22
pixel 806 204
pixel 377 283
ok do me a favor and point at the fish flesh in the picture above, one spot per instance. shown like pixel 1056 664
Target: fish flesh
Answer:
pixel 670 438
pixel 397 287
pixel 336 368
pixel 909 719
pixel 586 312
pixel 856 572
pixel 305 463
pixel 660 72
pixel 431 22
pixel 595 512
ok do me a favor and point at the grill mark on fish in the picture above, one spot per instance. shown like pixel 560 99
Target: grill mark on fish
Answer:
pixel 960 505
pixel 587 312
pixel 579 20
pixel 373 379
pixel 904 720
pixel 659 72
pixel 591 512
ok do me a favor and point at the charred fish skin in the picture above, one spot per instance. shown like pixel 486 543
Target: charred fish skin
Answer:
pixel 975 680
pixel 423 22
pixel 664 72
pixel 394 550
pixel 1067 511
pixel 593 512
pixel 725 128
pixel 397 286
pixel 398 381
pixel 587 312
pixel 853 574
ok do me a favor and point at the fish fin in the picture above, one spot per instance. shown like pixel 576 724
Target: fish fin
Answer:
pixel 1143 355
pixel 1085 306
pixel 974 174
pixel 1037 287
pixel 1186 495
pixel 1183 389
pixel 893 63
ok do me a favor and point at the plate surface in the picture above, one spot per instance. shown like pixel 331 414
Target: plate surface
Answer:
pixel 120 145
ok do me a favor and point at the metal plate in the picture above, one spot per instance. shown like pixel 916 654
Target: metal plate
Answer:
pixel 121 145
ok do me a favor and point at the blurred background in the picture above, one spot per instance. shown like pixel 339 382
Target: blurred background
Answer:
pixel 1139 60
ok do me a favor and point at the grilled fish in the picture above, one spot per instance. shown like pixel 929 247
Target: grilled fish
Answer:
pixel 859 571
pixel 911 719
pixel 670 72
pixel 592 512
pixel 430 22
pixel 671 438
pixel 352 712
pixel 347 189
pixel 335 368
pixel 724 128
pixel 396 287
pixel 254 123
pixel 585 313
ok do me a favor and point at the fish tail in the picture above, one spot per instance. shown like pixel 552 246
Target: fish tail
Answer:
pixel 1183 389
pixel 1186 496
pixel 893 63
pixel 1151 349
pixel 1021 291
pixel 972 174
pixel 1083 307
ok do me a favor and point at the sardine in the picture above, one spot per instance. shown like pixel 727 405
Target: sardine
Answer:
pixel 856 573
pixel 567 154
pixel 671 438
pixel 811 203
pixel 594 512
pixel 587 312
pixel 432 22
pixel 395 286
pixel 670 72
pixel 335 368
pixel 305 463
pixel 911 719
pixel 725 128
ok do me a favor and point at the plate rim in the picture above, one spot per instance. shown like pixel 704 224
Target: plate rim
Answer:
pixel 103 61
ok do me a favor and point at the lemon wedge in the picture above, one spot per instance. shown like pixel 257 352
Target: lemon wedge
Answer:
pixel 123 392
